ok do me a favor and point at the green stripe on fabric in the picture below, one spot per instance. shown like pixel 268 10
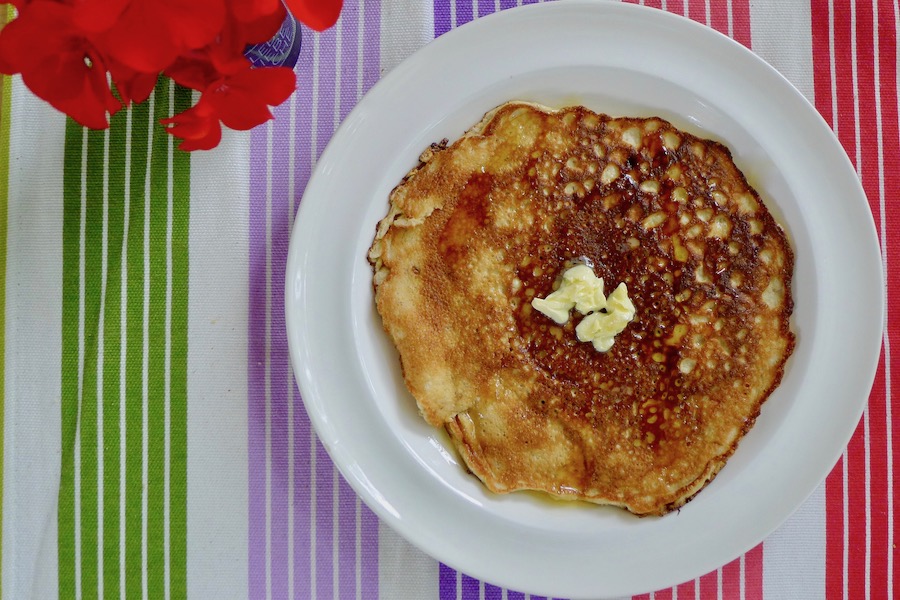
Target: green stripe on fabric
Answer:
pixel 5 114
pixel 156 364
pixel 112 360
pixel 181 191
pixel 70 362
pixel 92 209
pixel 132 356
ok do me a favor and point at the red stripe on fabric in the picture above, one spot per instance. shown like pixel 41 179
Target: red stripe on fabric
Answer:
pixel 687 591
pixel 856 507
pixel 753 574
pixel 834 533
pixel 861 485
pixel 878 485
pixel 873 88
pixel 675 6
pixel 822 51
pixel 845 124
pixel 868 126
pixel 653 3
pixel 696 10
pixel 731 579
pixel 718 17
pixel 844 120
pixel 641 597
pixel 740 21
pixel 663 595
pixel 709 586
pixel 867 490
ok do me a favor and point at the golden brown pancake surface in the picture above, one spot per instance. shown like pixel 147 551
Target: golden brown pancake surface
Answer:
pixel 483 226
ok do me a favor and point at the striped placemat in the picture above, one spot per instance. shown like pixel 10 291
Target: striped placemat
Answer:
pixel 155 444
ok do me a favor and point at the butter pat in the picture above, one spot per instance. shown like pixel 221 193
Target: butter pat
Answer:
pixel 582 290
pixel 601 328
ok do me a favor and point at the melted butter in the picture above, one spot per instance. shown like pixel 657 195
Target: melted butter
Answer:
pixel 582 290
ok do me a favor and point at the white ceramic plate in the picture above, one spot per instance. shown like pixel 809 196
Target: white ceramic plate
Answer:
pixel 587 53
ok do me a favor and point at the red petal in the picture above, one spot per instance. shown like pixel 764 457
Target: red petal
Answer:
pixel 64 69
pixel 240 111
pixel 196 72
pixel 198 126
pixel 195 23
pixel 250 10
pixel 263 28
pixel 143 45
pixel 242 100
pixel 98 15
pixel 205 143
pixel 151 33
pixel 272 85
pixel 18 52
pixel 133 86
pixel 80 93
pixel 318 14
pixel 13 37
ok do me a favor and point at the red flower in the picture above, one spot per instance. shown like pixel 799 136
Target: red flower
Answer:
pixel 239 101
pixel 318 14
pixel 65 68
pixel 148 35
pixel 73 53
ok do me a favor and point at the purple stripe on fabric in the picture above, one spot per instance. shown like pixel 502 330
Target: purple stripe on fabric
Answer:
pixel 302 500
pixel 327 68
pixel 470 588
pixel 511 595
pixel 504 4
pixel 350 50
pixel 370 553
pixel 446 582
pixel 256 401
pixel 371 44
pixel 314 127
pixel 530 1
pixel 279 359
pixel 442 22
pixel 346 541
pixel 303 147
pixel 370 24
pixel 485 7
pixel 324 523
pixel 463 12
pixel 302 106
pixel 492 592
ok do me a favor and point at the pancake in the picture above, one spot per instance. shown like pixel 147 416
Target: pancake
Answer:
pixel 485 225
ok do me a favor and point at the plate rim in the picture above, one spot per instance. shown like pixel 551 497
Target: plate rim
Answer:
pixel 308 387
